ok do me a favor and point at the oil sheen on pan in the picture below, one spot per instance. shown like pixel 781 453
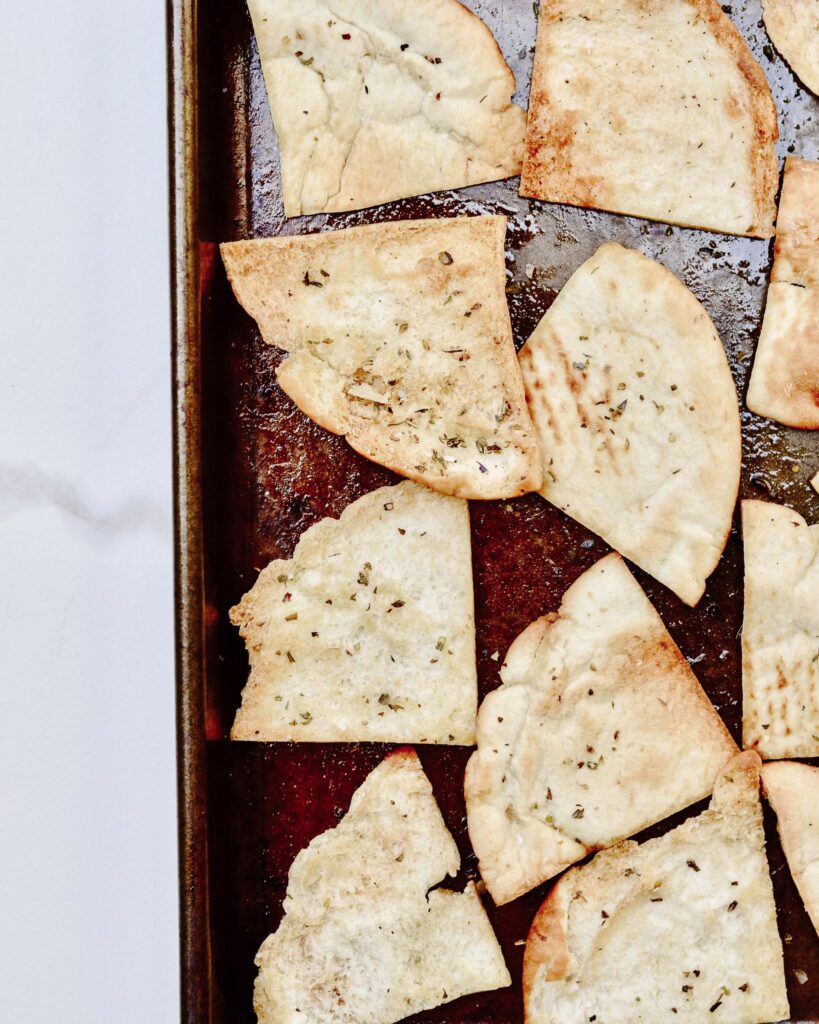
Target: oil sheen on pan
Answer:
pixel 267 473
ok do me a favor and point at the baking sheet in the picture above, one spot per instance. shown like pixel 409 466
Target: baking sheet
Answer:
pixel 253 473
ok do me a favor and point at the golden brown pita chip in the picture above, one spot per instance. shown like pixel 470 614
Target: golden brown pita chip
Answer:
pixel 599 730
pixel 793 791
pixel 678 928
pixel 793 26
pixel 785 379
pixel 367 633
pixel 654 108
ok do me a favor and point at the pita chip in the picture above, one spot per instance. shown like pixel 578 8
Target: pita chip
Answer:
pixel 792 790
pixel 637 417
pixel 375 100
pixel 398 337
pixel 363 938
pixel 367 633
pixel 784 382
pixel 780 632
pixel 677 928
pixel 654 108
pixel 793 26
pixel 599 730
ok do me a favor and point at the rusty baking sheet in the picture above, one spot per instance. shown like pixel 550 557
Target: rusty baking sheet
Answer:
pixel 252 473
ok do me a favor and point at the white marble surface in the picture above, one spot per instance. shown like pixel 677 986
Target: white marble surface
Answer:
pixel 88 916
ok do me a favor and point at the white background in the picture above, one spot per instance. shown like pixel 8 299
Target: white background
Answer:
pixel 88 914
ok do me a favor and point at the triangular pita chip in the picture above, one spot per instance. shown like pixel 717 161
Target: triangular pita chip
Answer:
pixel 368 631
pixel 399 338
pixel 793 26
pixel 785 379
pixel 637 416
pixel 363 938
pixel 654 108
pixel 599 730
pixel 374 100
pixel 793 791
pixel 814 482
pixel 678 928
pixel 780 632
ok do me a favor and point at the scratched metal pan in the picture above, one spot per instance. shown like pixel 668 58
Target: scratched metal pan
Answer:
pixel 252 473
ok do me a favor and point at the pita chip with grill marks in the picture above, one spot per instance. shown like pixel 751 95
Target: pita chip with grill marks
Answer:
pixel 637 416
pixel 375 100
pixel 399 338
pixel 599 730
pixel 367 634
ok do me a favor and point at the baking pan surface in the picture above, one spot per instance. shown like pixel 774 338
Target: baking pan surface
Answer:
pixel 253 473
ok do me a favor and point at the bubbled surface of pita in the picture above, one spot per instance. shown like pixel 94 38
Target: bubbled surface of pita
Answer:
pixel 377 100
pixel 780 632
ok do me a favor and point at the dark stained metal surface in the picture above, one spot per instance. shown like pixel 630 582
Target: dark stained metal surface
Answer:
pixel 253 473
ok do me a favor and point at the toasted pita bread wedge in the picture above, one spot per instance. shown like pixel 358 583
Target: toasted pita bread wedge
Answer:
pixel 374 100
pixel 793 791
pixel 814 482
pixel 399 338
pixel 780 632
pixel 363 939
pixel 599 730
pixel 686 135
pixel 784 382
pixel 637 416
pixel 368 631
pixel 677 928
pixel 793 26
